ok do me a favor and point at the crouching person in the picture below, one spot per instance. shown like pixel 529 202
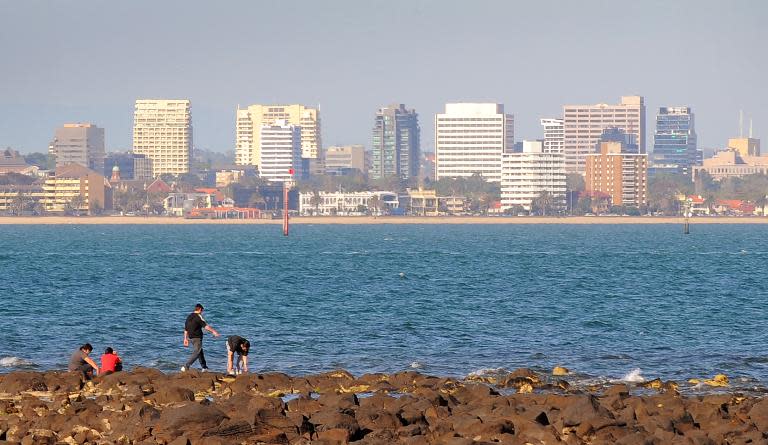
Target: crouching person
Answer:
pixel 80 362
pixel 240 346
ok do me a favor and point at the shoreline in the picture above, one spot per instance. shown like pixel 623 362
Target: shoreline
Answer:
pixel 385 220
pixel 145 405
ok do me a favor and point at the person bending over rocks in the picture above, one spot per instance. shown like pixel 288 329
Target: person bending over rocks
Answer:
pixel 80 362
pixel 193 332
pixel 110 362
pixel 240 346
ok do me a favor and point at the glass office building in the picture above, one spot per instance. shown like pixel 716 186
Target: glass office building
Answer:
pixel 674 142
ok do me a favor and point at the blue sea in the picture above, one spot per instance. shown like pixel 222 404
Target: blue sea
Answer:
pixel 609 302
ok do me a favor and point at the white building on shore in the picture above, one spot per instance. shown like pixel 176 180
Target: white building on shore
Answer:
pixel 525 176
pixel 280 151
pixel 346 203
pixel 470 139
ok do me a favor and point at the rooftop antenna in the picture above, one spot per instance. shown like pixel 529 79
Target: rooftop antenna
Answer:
pixel 741 123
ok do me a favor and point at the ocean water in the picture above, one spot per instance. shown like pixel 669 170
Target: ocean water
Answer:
pixel 608 302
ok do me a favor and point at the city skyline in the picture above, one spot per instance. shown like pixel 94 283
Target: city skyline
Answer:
pixel 49 77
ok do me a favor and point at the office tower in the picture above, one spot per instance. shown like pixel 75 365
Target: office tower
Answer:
pixel 528 174
pixel 162 130
pixel 554 135
pixel 618 173
pixel 674 141
pixel 132 166
pixel 79 143
pixel 395 150
pixel 470 139
pixel 584 124
pixel 339 159
pixel 250 120
pixel 279 151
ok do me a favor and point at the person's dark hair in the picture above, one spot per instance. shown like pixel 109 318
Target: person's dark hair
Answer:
pixel 109 351
pixel 86 347
pixel 199 306
pixel 245 344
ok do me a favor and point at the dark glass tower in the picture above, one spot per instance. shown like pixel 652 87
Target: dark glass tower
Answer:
pixel 675 139
pixel 395 150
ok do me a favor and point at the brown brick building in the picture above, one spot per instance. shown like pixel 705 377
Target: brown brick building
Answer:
pixel 623 176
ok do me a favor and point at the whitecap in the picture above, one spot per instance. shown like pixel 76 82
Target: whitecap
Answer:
pixel 15 362
pixel 633 376
pixel 486 371
pixel 417 365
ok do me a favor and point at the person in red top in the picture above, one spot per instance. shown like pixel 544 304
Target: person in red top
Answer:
pixel 110 362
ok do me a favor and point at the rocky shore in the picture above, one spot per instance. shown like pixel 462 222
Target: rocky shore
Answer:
pixel 145 406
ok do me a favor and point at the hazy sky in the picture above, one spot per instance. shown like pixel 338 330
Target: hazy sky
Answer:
pixel 68 61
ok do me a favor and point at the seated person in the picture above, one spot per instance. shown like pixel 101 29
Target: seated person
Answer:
pixel 82 363
pixel 239 345
pixel 110 362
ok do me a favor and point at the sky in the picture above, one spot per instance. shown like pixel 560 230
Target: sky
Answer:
pixel 88 61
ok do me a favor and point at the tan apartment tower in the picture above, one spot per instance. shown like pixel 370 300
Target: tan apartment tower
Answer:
pixel 584 124
pixel 623 176
pixel 79 144
pixel 162 130
pixel 252 119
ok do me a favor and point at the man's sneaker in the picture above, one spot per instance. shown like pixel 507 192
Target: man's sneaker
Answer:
pixel 183 369
pixel 204 370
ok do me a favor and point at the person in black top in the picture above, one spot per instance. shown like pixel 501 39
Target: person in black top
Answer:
pixel 193 332
pixel 239 345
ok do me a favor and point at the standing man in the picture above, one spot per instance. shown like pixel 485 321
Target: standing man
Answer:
pixel 193 331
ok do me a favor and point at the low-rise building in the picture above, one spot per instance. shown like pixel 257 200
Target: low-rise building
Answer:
pixel 346 203
pixel 422 202
pixel 732 163
pixel 75 188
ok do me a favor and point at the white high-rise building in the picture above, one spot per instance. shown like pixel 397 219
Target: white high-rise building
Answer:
pixel 470 138
pixel 584 124
pixel 280 151
pixel 525 176
pixel 250 120
pixel 554 135
pixel 162 130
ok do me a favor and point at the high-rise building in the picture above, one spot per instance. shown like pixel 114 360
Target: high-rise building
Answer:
pixel 526 175
pixel 162 130
pixel 396 149
pixel 279 151
pixel 79 143
pixel 131 166
pixel 584 124
pixel 470 139
pixel 674 142
pixel 618 173
pixel 554 135
pixel 250 121
pixel 345 157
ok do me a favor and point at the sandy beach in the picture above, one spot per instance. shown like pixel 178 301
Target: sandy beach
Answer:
pixel 50 220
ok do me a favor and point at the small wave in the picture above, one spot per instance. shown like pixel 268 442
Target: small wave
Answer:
pixel 417 365
pixel 633 376
pixel 486 371
pixel 16 362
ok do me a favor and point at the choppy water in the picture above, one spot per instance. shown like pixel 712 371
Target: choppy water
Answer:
pixel 600 300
